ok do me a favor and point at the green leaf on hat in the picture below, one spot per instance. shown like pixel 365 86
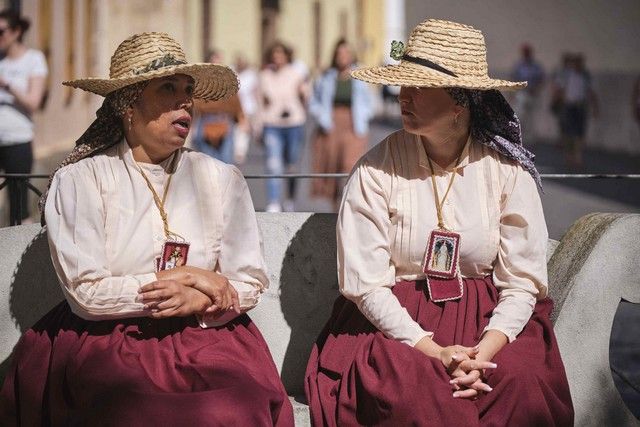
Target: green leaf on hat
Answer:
pixel 397 50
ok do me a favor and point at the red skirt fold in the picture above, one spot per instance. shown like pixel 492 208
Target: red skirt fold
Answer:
pixel 357 376
pixel 69 371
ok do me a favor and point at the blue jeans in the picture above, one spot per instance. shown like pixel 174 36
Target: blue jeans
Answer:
pixel 225 151
pixel 283 146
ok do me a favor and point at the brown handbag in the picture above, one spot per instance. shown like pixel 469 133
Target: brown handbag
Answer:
pixel 214 133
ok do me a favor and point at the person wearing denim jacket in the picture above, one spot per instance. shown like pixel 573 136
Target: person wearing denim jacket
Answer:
pixel 342 108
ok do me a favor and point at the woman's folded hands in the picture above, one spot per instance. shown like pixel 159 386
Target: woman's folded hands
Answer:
pixel 187 290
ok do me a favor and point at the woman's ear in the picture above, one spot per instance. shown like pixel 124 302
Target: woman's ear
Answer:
pixel 128 117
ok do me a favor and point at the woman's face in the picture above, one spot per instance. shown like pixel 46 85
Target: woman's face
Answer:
pixel 7 36
pixel 279 57
pixel 425 110
pixel 161 117
pixel 344 58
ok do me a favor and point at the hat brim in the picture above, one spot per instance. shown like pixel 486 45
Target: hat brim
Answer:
pixel 414 75
pixel 212 81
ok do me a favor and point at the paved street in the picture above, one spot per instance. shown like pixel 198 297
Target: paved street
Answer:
pixel 564 200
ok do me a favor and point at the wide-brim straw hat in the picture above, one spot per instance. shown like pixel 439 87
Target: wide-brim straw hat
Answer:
pixel 152 55
pixel 439 54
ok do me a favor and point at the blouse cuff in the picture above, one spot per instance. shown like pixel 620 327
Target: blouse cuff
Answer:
pixel 417 336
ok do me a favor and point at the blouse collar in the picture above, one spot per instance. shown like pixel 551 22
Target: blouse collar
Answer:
pixel 169 165
pixel 423 159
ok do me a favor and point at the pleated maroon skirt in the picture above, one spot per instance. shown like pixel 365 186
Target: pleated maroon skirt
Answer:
pixel 170 372
pixel 357 376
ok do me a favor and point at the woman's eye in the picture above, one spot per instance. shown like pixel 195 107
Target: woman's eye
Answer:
pixel 189 90
pixel 169 87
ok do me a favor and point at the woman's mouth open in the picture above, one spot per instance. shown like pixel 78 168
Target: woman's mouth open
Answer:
pixel 182 126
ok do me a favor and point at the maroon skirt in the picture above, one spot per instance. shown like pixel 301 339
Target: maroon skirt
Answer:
pixel 357 376
pixel 69 371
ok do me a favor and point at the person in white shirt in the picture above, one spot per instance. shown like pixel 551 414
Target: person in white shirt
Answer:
pixel 22 86
pixel 283 93
pixel 142 338
pixel 410 342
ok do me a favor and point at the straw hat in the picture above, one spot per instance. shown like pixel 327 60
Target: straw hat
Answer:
pixel 438 54
pixel 148 56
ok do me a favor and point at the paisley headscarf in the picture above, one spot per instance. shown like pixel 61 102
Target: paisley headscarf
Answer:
pixel 105 131
pixel 494 124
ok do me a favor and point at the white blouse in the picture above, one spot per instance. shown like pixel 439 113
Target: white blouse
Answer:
pixel 105 230
pixel 388 211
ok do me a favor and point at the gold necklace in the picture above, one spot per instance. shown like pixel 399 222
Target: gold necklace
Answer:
pixel 439 203
pixel 160 202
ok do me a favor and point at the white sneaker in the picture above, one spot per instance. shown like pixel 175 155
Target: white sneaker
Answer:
pixel 273 207
pixel 288 206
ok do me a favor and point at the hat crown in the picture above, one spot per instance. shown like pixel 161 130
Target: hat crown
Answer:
pixel 457 47
pixel 145 52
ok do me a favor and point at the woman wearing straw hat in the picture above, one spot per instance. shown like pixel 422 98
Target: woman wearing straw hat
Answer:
pixel 413 341
pixel 137 342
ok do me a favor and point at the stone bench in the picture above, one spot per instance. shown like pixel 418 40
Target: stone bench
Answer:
pixel 588 272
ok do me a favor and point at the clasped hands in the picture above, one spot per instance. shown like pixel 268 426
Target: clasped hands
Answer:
pixel 187 290
pixel 465 365
pixel 466 370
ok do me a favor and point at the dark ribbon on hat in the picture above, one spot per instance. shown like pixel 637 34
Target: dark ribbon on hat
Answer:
pixel 166 61
pixel 428 64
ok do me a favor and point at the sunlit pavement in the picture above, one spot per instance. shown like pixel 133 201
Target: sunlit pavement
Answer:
pixel 564 200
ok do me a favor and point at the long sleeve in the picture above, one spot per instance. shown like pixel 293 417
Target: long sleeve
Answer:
pixel 520 270
pixel 241 258
pixel 76 229
pixel 366 273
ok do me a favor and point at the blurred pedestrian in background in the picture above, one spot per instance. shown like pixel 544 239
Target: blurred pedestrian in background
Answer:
pixel 216 121
pixel 23 72
pixel 282 94
pixel 248 95
pixel 573 100
pixel 342 108
pixel 526 101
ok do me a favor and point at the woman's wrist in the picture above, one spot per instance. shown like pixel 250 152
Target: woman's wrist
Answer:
pixel 429 347
pixel 490 344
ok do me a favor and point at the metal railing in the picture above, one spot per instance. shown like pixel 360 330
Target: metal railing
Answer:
pixel 18 182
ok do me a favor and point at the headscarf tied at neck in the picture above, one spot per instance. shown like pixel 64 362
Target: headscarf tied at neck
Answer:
pixel 494 124
pixel 105 131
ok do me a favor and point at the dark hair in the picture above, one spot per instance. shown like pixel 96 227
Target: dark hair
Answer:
pixel 277 45
pixel 341 42
pixel 16 22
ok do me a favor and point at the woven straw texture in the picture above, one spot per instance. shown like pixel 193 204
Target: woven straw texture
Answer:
pixel 147 56
pixel 458 48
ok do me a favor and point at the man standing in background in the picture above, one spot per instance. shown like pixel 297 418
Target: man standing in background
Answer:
pixel 526 100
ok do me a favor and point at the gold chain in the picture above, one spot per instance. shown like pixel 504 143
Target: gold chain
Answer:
pixel 160 204
pixel 440 204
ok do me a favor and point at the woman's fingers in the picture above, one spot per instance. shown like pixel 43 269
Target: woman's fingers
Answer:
pixel 466 380
pixel 465 394
pixel 235 301
pixel 471 365
pixel 159 294
pixel 169 303
pixel 162 314
pixel 481 386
